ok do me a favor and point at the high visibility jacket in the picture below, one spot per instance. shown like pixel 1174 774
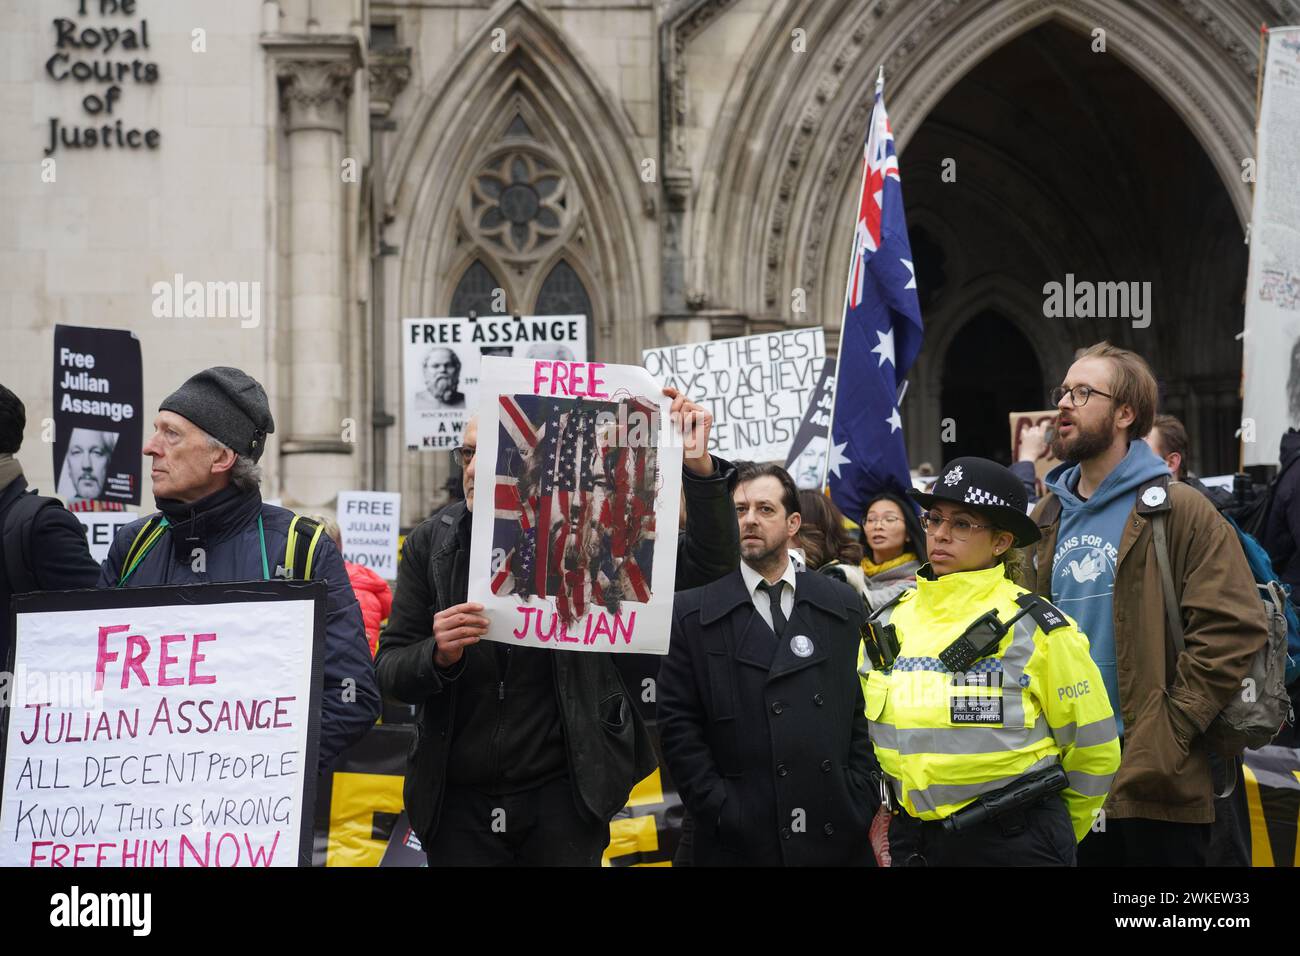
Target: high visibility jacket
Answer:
pixel 945 739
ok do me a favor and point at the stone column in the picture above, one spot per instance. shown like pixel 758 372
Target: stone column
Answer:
pixel 315 81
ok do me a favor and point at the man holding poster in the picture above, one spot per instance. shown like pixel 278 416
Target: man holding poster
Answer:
pixel 524 755
pixel 214 527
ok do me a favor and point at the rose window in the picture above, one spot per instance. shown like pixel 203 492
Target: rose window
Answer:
pixel 518 202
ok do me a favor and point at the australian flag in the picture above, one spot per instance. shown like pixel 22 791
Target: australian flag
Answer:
pixel 881 334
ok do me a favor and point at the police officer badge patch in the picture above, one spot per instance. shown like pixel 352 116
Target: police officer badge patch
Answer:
pixel 969 709
pixel 801 645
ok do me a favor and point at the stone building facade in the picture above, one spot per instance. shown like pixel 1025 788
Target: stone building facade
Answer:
pixel 676 170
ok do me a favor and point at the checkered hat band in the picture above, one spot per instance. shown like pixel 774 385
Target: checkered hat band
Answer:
pixel 978 496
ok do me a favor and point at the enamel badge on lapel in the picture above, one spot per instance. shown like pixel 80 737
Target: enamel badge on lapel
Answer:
pixel 801 645
pixel 1153 497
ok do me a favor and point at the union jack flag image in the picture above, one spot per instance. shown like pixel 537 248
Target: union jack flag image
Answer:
pixel 574 508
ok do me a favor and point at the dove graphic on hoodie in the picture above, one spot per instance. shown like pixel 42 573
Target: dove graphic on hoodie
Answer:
pixel 1087 549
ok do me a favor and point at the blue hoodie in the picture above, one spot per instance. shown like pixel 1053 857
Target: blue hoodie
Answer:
pixel 1087 549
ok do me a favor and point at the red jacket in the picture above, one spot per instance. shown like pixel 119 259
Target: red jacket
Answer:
pixel 375 598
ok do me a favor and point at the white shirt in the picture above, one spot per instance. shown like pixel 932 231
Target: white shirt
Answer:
pixel 761 601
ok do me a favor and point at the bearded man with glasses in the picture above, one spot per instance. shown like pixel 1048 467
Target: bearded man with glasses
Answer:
pixel 1110 501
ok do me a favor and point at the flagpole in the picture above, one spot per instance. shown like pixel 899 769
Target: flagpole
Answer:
pixel 848 288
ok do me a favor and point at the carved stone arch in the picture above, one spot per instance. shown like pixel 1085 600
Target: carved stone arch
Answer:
pixel 1020 306
pixel 1055 251
pixel 989 292
pixel 453 127
pixel 1196 59
pixel 457 120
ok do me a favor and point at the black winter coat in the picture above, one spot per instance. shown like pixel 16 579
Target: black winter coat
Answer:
pixel 233 552
pixel 1281 535
pixel 769 750
pixel 609 748
pixel 58 557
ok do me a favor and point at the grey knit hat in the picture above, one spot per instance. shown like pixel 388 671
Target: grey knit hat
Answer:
pixel 229 405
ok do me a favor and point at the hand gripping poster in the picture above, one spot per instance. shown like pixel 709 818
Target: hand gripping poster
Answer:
pixel 577 491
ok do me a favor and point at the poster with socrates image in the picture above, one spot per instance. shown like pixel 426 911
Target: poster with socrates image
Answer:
pixel 440 365
pixel 581 468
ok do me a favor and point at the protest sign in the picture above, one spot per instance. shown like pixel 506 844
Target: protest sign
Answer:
pixel 581 469
pixel 101 527
pixel 1022 421
pixel 440 365
pixel 757 387
pixel 1271 344
pixel 170 726
pixel 98 388
pixel 368 524
pixel 808 457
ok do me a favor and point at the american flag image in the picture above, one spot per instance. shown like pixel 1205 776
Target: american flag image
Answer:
pixel 574 508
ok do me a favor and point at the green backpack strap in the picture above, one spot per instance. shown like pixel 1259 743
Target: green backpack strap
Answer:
pixel 300 548
pixel 145 539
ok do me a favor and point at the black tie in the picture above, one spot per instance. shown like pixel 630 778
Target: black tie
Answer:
pixel 773 592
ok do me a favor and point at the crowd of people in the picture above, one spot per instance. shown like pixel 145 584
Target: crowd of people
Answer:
pixel 975 673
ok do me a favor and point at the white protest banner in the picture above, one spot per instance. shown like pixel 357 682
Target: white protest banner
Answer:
pixel 580 473
pixel 440 365
pixel 173 726
pixel 101 527
pixel 368 523
pixel 758 387
pixel 1271 374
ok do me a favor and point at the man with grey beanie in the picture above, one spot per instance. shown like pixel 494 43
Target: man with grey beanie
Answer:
pixel 208 437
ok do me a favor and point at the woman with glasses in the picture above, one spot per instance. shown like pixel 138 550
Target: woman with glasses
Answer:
pixel 988 716
pixel 894 546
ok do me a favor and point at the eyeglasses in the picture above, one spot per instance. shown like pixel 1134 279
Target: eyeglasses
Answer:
pixel 1079 395
pixel 464 454
pixel 960 527
pixel 882 520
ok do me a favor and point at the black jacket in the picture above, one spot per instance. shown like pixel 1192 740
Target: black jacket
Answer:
pixel 1282 531
pixel 57 556
pixel 608 747
pixel 769 750
pixel 227 530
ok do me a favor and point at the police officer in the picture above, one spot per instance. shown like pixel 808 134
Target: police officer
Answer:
pixel 988 716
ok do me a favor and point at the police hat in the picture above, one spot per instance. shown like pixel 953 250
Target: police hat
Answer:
pixel 988 488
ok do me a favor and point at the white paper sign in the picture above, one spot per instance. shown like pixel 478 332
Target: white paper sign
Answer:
pixel 368 522
pixel 101 527
pixel 1271 374
pixel 574 542
pixel 758 387
pixel 170 734
pixel 440 365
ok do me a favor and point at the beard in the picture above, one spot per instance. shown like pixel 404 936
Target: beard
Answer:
pixel 759 555
pixel 1087 442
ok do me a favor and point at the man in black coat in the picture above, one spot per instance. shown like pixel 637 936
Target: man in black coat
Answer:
pixel 760 707
pixel 44 543
pixel 524 754
pixel 1281 533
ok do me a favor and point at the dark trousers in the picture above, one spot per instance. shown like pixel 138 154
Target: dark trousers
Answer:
pixel 1137 842
pixel 538 827
pixel 1037 835
pixel 1230 836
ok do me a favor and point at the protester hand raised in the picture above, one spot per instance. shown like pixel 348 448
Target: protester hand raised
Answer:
pixel 454 630
pixel 694 421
